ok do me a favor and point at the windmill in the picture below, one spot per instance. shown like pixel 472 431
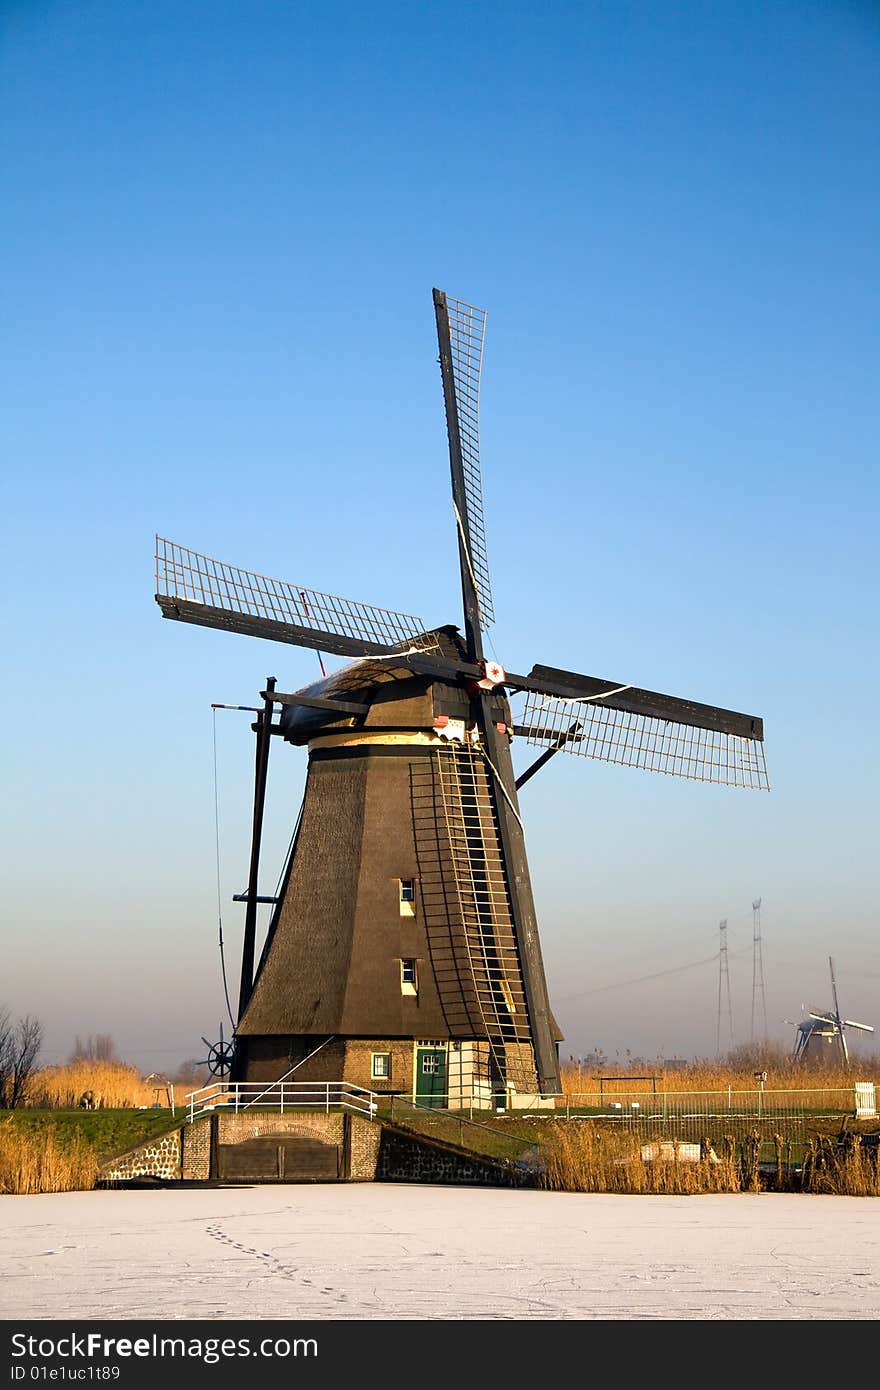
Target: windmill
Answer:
pixel 402 950
pixel 220 1055
pixel 822 1036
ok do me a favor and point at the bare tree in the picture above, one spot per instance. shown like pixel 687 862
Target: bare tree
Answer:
pixel 105 1048
pixel 19 1050
pixel 27 1041
pixel 95 1047
pixel 6 1031
pixel 190 1073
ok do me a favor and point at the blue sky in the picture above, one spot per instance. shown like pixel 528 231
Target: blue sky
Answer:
pixel 221 228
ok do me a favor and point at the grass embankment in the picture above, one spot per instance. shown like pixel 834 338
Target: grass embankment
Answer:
pixel 502 1140
pixel 60 1150
pixel 108 1132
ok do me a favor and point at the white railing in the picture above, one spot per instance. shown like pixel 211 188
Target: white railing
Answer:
pixel 631 1104
pixel 281 1096
pixel 732 1100
pixel 617 1101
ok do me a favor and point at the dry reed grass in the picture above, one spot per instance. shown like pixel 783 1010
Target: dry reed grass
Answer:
pixel 715 1076
pixel 32 1162
pixel 588 1157
pixel 584 1157
pixel 117 1083
pixel 850 1169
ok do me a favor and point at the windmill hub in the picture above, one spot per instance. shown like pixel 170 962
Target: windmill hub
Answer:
pixel 402 953
pixel 493 674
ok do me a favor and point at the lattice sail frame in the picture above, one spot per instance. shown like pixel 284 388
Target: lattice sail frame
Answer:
pixel 187 575
pixel 467 333
pixel 591 729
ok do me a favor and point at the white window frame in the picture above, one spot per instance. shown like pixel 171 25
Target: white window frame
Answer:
pixel 407 906
pixel 380 1076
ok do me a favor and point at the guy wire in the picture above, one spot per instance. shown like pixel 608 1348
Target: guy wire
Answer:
pixel 217 848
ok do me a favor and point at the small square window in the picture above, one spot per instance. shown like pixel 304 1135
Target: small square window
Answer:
pixel 407 897
pixel 381 1066
pixel 409 983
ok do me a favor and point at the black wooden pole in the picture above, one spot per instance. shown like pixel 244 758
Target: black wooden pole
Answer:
pixel 264 738
pixel 559 744
pixel 536 766
pixel 522 903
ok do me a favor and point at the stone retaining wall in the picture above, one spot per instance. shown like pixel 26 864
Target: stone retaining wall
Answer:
pixel 404 1158
pixel 157 1158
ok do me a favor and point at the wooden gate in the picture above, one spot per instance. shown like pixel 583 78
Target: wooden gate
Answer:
pixel 279 1158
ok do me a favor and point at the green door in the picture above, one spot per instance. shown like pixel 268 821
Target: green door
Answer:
pixel 431 1076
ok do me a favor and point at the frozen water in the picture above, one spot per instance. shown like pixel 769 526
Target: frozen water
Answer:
pixel 390 1251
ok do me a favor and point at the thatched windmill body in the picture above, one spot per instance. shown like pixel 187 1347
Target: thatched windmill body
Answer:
pixel 403 951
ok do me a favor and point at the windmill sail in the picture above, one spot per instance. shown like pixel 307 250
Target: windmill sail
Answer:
pixel 467 330
pixel 594 728
pixel 842 1024
pixel 194 588
pixel 570 685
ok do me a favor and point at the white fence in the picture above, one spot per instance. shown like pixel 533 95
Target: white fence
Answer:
pixel 281 1096
pixel 831 1101
pixel 632 1107
pixel 697 1112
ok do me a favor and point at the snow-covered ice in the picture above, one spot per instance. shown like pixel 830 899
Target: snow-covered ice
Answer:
pixel 388 1251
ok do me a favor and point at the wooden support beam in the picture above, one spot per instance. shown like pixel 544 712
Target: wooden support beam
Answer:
pixel 317 702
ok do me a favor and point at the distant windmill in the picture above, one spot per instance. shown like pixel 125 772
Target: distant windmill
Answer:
pixel 825 1033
